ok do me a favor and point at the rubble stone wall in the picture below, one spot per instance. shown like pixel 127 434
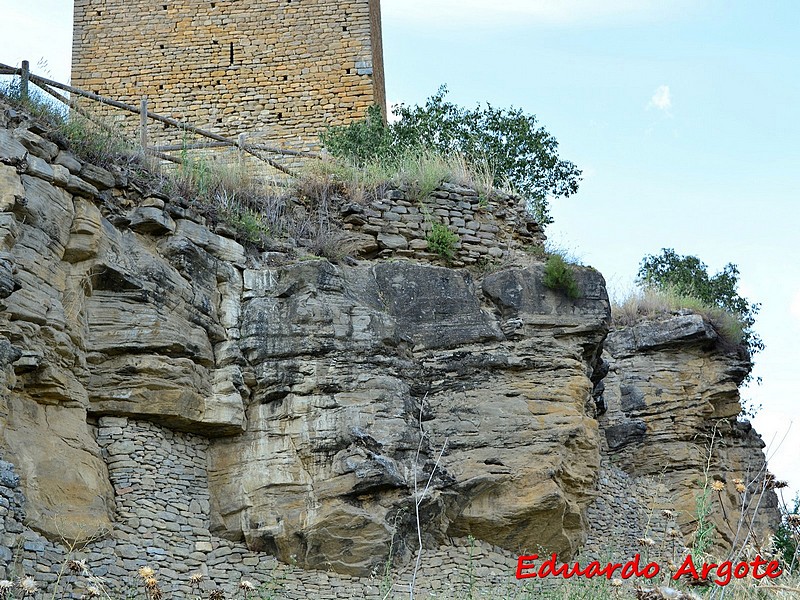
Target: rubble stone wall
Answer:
pixel 162 521
pixel 489 227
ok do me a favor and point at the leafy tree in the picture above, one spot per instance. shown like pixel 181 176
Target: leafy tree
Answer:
pixel 688 276
pixel 509 142
pixel 361 141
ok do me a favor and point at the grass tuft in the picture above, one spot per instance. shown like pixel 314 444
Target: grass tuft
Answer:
pixel 442 241
pixel 650 303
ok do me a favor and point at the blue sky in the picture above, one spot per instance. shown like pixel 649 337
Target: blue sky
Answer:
pixel 683 115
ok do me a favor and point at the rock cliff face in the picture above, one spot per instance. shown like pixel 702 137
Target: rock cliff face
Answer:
pixel 326 390
pixel 145 356
pixel 351 366
pixel 673 403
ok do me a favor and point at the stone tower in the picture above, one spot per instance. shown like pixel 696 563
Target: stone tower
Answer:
pixel 278 70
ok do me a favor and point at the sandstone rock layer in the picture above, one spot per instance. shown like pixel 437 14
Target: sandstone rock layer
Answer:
pixel 673 402
pixel 326 391
pixel 320 411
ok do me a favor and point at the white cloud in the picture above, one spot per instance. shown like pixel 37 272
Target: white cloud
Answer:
pixel 443 13
pixel 662 99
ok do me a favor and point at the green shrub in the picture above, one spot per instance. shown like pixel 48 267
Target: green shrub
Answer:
pixel 558 275
pixel 442 241
pixel 506 143
pixel 362 141
pixel 249 225
pixel 787 536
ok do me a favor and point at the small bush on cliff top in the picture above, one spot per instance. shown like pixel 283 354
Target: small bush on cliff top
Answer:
pixel 510 143
pixel 558 275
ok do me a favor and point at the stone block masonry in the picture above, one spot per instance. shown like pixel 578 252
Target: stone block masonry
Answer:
pixel 280 70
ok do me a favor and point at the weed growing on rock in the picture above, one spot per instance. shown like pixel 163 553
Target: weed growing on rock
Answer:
pixel 558 275
pixel 442 241
pixel 648 303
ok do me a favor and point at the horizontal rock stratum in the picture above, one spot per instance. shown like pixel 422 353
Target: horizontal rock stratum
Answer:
pixel 170 397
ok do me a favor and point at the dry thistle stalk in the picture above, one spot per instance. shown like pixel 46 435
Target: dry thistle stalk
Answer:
pixel 145 572
pixel 216 594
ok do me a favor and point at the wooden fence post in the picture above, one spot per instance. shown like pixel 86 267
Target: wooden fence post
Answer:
pixel 242 137
pixel 25 77
pixel 143 124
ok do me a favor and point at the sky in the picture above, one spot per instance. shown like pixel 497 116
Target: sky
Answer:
pixel 683 116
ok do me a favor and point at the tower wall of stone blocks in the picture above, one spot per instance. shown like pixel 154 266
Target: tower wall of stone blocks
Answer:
pixel 278 70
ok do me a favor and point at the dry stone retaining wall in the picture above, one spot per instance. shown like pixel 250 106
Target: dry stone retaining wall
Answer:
pixel 489 227
pixel 631 515
pixel 161 490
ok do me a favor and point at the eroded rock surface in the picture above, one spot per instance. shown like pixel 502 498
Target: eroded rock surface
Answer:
pixel 325 390
pixel 317 395
pixel 351 364
pixel 673 402
pixel 98 320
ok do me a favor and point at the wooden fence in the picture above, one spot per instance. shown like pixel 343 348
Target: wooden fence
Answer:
pixel 217 141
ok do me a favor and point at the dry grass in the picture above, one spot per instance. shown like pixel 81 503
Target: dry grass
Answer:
pixel 418 172
pixel 785 587
pixel 77 580
pixel 644 304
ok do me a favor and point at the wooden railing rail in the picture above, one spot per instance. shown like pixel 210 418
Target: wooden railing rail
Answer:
pixel 220 141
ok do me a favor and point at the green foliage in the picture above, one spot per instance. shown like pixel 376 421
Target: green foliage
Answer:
pixel 509 143
pixel 515 148
pixel 361 141
pixel 704 534
pixel 688 276
pixel 558 275
pixel 788 535
pixel 442 241
pixel 248 224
